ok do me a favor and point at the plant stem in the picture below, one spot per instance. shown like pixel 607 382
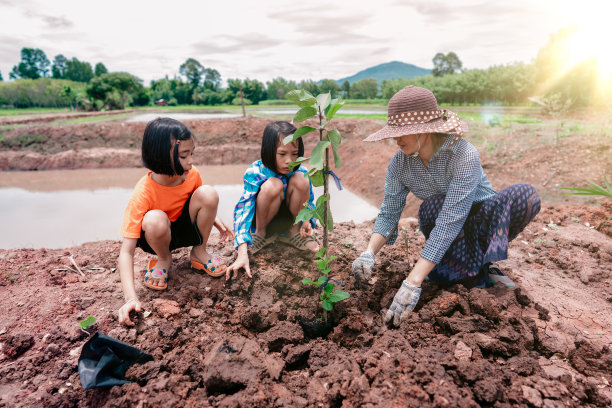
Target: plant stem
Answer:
pixel 325 185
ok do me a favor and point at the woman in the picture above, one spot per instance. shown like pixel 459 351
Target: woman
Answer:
pixel 466 223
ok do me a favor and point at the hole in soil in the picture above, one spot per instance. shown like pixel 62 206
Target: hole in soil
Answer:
pixel 316 328
pixel 299 364
pixel 216 386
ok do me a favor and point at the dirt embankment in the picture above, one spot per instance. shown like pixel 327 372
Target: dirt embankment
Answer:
pixel 546 344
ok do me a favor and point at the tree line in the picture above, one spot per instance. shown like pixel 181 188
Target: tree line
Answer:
pixel 71 82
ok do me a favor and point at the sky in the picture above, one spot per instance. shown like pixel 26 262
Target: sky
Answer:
pixel 265 39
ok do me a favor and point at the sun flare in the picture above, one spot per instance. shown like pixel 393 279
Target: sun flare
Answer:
pixel 587 43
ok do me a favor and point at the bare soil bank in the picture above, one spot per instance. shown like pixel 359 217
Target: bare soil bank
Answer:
pixel 546 344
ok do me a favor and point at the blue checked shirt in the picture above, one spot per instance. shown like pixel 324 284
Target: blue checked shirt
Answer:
pixel 454 171
pixel 244 212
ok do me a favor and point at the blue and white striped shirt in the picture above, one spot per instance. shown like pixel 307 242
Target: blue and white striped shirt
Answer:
pixel 454 171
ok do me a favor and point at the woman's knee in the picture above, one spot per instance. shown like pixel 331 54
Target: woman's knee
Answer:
pixel 155 222
pixel 430 207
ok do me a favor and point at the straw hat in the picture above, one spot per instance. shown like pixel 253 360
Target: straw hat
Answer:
pixel 414 111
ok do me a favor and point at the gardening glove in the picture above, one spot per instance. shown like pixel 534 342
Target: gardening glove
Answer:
pixel 362 268
pixel 404 301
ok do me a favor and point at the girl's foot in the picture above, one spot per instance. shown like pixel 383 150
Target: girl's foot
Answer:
pixel 203 261
pixel 302 244
pixel 259 242
pixel 156 276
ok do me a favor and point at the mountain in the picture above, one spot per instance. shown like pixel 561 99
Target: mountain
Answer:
pixel 388 70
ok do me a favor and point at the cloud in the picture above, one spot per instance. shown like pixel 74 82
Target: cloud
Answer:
pixel 325 26
pixel 52 22
pixel 250 42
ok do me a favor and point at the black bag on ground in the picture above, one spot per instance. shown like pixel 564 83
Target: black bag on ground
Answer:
pixel 104 361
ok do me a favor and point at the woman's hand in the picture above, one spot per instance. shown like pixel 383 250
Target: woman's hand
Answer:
pixel 404 302
pixel 224 231
pixel 241 262
pixel 124 311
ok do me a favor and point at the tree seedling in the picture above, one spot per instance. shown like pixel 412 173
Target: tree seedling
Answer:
pixel 328 293
pixel 324 108
pixel 87 323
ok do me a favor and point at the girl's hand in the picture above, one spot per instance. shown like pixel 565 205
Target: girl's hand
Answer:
pixel 124 311
pixel 306 230
pixel 241 262
pixel 224 232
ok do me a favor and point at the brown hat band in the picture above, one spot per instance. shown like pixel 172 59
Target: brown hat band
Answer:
pixel 413 117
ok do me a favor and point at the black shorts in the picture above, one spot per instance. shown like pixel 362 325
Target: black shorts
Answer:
pixel 282 221
pixel 183 232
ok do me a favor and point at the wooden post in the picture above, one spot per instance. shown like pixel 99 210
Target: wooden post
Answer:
pixel 242 101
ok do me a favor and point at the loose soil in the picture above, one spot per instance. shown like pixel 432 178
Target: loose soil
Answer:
pixel 545 344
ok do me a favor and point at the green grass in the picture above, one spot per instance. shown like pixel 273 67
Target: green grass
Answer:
pixel 93 119
pixel 31 111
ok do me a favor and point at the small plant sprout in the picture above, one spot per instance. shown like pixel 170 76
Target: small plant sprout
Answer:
pixel 328 294
pixel 87 323
pixel 595 190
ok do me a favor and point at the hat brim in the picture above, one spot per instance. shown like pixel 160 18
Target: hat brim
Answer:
pixel 452 125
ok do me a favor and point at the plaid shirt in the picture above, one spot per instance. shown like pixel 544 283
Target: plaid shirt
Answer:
pixel 454 171
pixel 244 212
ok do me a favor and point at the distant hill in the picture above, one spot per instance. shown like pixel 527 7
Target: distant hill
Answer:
pixel 388 70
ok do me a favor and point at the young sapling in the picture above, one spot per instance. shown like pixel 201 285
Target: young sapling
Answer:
pixel 323 107
pixel 328 294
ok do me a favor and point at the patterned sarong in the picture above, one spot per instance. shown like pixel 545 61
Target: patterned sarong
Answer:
pixel 484 237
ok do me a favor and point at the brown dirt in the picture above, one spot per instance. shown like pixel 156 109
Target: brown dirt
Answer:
pixel 545 344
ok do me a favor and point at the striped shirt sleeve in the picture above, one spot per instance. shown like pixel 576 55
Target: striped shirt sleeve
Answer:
pixel 393 203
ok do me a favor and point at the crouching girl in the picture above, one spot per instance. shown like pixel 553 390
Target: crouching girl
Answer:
pixel 169 209
pixel 273 195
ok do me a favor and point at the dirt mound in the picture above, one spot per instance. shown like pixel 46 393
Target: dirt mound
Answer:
pixel 241 344
pixel 246 343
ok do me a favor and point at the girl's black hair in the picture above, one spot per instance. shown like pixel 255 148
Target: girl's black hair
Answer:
pixel 274 132
pixel 159 139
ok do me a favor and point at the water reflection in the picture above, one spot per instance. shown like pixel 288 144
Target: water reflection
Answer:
pixel 60 219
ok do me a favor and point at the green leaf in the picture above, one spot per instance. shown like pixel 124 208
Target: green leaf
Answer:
pixel 306 112
pixel 297 134
pixel 296 164
pixel 84 324
pixel 338 296
pixel 328 289
pixel 327 305
pixel 333 108
pixel 300 95
pixel 321 252
pixel 319 209
pixel 317 178
pixel 324 100
pixel 321 280
pixel 318 155
pixel 305 215
pixel 334 137
pixel 307 281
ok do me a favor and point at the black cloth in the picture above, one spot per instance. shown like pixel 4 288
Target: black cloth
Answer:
pixel 104 361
